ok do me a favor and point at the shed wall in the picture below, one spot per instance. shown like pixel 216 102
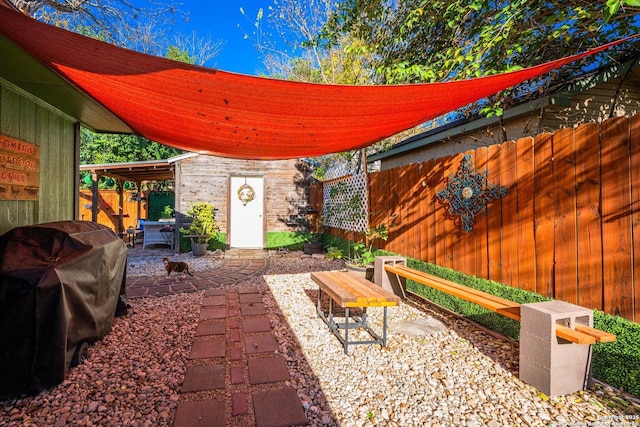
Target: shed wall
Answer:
pixel 206 179
pixel 25 118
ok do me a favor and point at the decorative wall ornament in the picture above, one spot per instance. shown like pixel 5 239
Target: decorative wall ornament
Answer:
pixel 467 193
pixel 246 193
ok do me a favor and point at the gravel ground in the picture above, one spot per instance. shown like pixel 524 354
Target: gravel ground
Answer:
pixel 461 376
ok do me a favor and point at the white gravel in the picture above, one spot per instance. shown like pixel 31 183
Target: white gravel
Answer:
pixel 460 377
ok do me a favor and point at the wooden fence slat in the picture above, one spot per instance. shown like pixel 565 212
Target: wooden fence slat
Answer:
pixel 480 227
pixel 440 244
pixel 616 218
pixel 526 253
pixel 635 200
pixel 468 240
pixel 508 162
pixel 494 219
pixel 543 211
pixel 565 250
pixel 455 237
pixel 413 197
pixel 421 193
pixel 429 199
pixel 394 182
pixel 450 230
pixel 589 225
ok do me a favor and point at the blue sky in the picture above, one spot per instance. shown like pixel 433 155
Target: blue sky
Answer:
pixel 220 19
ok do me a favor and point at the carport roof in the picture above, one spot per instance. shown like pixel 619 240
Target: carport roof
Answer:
pixel 152 170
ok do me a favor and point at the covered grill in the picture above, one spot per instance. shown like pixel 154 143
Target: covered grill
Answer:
pixel 61 284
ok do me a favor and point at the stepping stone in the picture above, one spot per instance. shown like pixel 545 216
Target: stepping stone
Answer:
pixel 215 300
pixel 276 408
pixel 418 327
pixel 268 370
pixel 198 378
pixel 239 404
pixel 205 413
pixel 211 347
pixel 213 313
pixel 250 298
pixel 253 309
pixel 211 327
pixel 212 292
pixel 256 324
pixel 260 344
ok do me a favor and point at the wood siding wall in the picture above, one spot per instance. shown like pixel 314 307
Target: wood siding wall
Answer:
pixel 568 228
pixel 206 178
pixel 23 118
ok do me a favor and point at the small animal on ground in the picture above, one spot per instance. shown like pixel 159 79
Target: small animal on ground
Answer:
pixel 177 266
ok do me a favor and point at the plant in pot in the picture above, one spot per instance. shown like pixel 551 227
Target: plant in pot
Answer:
pixel 363 253
pixel 314 244
pixel 203 227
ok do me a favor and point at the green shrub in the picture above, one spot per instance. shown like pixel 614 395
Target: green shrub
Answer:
pixel 292 240
pixel 218 242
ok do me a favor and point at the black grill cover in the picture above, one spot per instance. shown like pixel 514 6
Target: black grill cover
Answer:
pixel 60 285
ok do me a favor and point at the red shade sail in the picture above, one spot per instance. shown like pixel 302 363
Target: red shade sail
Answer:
pixel 232 115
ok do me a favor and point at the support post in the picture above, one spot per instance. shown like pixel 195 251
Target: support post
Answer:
pixel 389 281
pixel 549 363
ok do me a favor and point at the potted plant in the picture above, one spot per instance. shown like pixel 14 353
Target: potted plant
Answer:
pixel 314 245
pixel 167 214
pixel 363 254
pixel 203 227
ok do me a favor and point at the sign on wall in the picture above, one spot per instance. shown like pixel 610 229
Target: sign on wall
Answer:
pixel 19 169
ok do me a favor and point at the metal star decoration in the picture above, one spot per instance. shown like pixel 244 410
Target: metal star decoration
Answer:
pixel 467 193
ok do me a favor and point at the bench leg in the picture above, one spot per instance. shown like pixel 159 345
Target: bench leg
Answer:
pixel 346 331
pixel 351 323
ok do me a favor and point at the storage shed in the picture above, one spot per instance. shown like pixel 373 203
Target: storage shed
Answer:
pixel 252 197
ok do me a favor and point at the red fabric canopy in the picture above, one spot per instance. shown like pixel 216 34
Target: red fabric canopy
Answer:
pixel 232 115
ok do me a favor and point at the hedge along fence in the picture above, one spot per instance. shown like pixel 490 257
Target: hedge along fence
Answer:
pixel 616 363
pixel 568 228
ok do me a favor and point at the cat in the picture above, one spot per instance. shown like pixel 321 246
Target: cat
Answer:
pixel 177 266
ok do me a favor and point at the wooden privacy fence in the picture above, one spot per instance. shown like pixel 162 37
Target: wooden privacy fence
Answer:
pixel 108 205
pixel 568 228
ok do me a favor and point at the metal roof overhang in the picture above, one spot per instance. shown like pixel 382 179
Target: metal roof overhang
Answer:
pixel 152 170
pixel 22 70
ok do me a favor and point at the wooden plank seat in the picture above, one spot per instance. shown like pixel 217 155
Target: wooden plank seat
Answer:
pixel 581 334
pixel 348 290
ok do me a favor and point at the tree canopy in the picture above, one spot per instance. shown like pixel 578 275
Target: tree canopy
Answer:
pixel 410 41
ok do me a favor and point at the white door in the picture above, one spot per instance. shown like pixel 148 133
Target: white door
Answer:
pixel 247 209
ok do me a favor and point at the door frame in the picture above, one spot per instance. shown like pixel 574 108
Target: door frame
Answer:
pixel 231 193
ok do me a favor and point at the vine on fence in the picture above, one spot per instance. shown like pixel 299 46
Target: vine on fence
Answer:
pixel 346 203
